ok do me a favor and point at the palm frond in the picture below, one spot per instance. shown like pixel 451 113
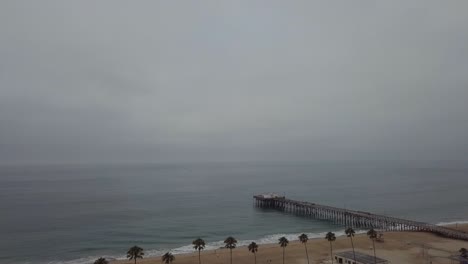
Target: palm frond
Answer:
pixel 101 261
pixel 372 234
pixel 253 247
pixel 303 238
pixel 463 252
pixel 198 244
pixel 168 258
pixel 350 232
pixel 283 241
pixel 230 242
pixel 330 236
pixel 135 252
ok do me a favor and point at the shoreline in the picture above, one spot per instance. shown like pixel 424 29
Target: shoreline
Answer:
pixel 398 247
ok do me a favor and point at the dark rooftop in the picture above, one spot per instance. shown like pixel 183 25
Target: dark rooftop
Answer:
pixel 459 258
pixel 360 257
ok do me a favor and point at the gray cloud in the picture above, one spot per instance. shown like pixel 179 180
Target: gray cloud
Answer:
pixel 158 81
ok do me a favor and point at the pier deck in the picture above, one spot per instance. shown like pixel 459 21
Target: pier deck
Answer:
pixel 352 218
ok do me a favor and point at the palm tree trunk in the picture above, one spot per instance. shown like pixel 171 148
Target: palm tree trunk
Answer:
pixel 283 254
pixel 331 252
pixel 231 254
pixel 307 254
pixel 199 259
pixel 135 260
pixel 352 244
pixel 375 257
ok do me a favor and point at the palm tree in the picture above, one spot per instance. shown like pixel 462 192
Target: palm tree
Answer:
pixel 304 238
pixel 253 247
pixel 168 258
pixel 101 261
pixel 198 244
pixel 230 243
pixel 330 237
pixel 350 233
pixel 463 252
pixel 372 234
pixel 283 242
pixel 135 253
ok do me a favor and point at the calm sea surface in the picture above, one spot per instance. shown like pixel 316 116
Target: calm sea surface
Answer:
pixel 74 214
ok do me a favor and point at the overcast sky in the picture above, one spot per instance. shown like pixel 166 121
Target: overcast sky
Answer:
pixel 169 81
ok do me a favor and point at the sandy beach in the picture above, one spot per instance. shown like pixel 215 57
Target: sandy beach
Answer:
pixel 397 247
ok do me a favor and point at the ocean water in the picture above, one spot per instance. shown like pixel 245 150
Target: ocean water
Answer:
pixel 75 214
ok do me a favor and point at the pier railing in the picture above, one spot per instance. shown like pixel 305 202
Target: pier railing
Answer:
pixel 352 218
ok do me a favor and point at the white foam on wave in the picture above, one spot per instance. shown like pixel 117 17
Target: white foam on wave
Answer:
pixel 452 223
pixel 85 260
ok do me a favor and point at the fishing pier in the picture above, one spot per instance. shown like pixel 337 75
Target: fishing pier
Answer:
pixel 352 218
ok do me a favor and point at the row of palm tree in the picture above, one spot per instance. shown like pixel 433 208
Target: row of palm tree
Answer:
pixel 230 242
pixel 372 234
